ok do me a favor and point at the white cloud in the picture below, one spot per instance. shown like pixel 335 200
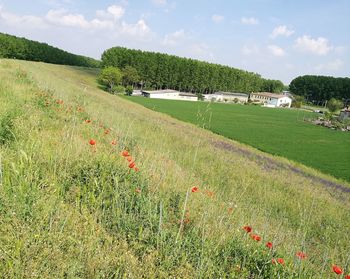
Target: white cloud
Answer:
pixel 201 51
pixel 116 11
pixel 217 18
pixel 276 50
pixel 249 20
pixel 249 50
pixel 61 17
pixel 24 21
pixel 281 30
pixel 332 66
pixel 174 38
pixel 319 46
pixel 159 2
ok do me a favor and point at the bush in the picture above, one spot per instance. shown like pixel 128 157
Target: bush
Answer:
pixel 333 105
pixel 119 89
pixel 129 90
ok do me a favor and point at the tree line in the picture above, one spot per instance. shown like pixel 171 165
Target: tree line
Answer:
pixel 24 49
pixel 321 88
pixel 159 71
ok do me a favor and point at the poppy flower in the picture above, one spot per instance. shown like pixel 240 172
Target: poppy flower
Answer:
pixel 132 165
pixel 347 276
pixel 125 153
pixel 337 269
pixel 107 131
pixel 248 229
pixel 129 159
pixel 138 190
pixel 92 142
pixel 113 142
pixel 269 245
pixel 194 189
pixel 301 255
pixel 273 261
pixel 87 121
pixel 136 169
pixel 280 261
pixel 255 237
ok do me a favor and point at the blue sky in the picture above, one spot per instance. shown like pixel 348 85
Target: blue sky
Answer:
pixel 277 39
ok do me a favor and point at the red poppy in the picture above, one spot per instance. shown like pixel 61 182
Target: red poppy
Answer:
pixel 92 142
pixel 273 261
pixel 248 229
pixel 138 190
pixel 132 165
pixel 136 169
pixel 87 121
pixel 129 159
pixel 113 142
pixel 255 237
pixel 125 153
pixel 107 131
pixel 269 245
pixel 337 269
pixel 280 261
pixel 301 255
pixel 347 276
pixel 194 189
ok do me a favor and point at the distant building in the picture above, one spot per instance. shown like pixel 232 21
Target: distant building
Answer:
pixel 226 97
pixel 344 114
pixel 271 99
pixel 169 95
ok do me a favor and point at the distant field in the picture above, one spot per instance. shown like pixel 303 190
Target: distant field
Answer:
pixel 276 131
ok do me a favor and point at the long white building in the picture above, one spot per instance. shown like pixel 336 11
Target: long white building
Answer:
pixel 271 99
pixel 169 95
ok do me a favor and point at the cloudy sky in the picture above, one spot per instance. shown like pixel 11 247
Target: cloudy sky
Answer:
pixel 279 39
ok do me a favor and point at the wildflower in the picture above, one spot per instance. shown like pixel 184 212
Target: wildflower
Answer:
pixel 125 153
pixel 255 237
pixel 280 261
pixel 209 193
pixel 301 255
pixel 87 121
pixel 132 165
pixel 138 190
pixel 129 159
pixel 113 142
pixel 194 189
pixel 337 269
pixel 248 229
pixel 92 142
pixel 347 276
pixel 269 245
pixel 107 131
pixel 273 261
pixel 136 169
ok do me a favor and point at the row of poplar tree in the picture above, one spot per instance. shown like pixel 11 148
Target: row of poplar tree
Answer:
pixel 159 71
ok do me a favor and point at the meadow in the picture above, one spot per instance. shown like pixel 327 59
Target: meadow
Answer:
pixel 95 186
pixel 281 132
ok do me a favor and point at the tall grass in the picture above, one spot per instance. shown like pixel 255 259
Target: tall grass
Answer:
pixel 72 209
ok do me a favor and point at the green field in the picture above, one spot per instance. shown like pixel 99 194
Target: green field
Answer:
pixel 280 132
pixel 72 209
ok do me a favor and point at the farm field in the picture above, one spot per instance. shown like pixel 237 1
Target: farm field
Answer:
pixel 95 186
pixel 276 131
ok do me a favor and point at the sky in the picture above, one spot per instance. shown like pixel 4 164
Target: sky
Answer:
pixel 278 39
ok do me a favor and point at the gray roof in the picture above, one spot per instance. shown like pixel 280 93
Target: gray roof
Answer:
pixel 164 91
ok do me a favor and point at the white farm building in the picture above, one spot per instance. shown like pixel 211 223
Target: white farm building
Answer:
pixel 169 95
pixel 271 99
pixel 226 97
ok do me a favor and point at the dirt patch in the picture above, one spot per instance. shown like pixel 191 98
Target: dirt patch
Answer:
pixel 270 164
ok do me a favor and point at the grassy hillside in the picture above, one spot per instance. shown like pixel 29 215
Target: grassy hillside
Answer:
pixel 277 131
pixel 69 208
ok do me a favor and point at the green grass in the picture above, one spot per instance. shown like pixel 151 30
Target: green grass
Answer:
pixel 277 131
pixel 71 210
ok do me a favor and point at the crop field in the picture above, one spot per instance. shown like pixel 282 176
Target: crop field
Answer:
pixel 279 132
pixel 95 186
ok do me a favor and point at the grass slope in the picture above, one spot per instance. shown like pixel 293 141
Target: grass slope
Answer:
pixel 70 209
pixel 276 131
